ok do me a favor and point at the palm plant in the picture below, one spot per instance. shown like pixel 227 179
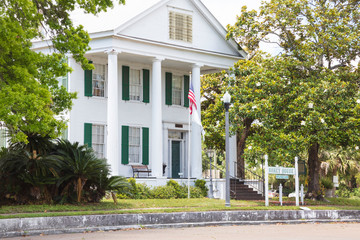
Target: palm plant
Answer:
pixel 344 162
pixel 79 164
pixel 28 172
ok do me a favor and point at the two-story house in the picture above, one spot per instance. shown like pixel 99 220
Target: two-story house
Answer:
pixel 133 108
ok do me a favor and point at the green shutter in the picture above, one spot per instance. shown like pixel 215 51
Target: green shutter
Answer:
pixel 2 138
pixel 125 83
pixel 146 86
pixel 88 82
pixel 186 90
pixel 168 88
pixel 125 145
pixel 145 146
pixel 88 134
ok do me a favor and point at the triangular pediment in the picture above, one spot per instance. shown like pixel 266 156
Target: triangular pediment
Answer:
pixel 153 25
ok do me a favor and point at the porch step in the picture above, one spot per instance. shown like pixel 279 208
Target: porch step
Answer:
pixel 240 191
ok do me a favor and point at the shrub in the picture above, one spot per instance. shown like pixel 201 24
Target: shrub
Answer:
pixel 327 183
pixel 164 192
pixel 171 190
pixel 59 172
pixel 201 184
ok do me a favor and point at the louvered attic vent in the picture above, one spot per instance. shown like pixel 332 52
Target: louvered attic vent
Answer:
pixel 180 26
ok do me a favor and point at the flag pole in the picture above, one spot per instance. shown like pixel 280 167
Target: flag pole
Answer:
pixel 188 173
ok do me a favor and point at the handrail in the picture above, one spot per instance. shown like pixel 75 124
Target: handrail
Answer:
pixel 223 172
pixel 252 179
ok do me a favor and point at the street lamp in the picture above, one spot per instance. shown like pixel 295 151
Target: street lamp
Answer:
pixel 227 99
pixel 210 154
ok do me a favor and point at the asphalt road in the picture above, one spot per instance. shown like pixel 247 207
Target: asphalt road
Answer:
pixel 332 231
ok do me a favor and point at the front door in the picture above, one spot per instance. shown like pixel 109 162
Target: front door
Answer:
pixel 175 159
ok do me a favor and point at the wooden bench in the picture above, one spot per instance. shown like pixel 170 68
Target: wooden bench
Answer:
pixel 140 169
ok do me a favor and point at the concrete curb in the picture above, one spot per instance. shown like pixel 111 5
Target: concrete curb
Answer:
pixel 74 224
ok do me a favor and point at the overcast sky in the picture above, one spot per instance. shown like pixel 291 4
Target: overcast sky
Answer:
pixel 227 10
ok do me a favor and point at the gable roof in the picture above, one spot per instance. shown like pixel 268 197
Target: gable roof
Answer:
pixel 122 17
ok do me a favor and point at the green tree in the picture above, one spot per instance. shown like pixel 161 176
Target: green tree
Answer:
pixel 29 92
pixel 320 46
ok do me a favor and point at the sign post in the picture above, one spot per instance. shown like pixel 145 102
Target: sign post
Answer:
pixel 280 194
pixel 281 173
pixel 296 181
pixel 266 181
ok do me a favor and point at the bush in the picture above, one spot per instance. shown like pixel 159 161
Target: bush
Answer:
pixel 201 184
pixel 54 172
pixel 164 192
pixel 327 183
pixel 346 192
pixel 171 190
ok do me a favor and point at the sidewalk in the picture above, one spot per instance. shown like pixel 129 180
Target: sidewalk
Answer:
pixel 76 224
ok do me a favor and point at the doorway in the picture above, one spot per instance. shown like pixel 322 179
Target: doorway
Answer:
pixel 175 158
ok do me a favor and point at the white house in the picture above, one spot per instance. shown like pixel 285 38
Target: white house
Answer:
pixel 132 108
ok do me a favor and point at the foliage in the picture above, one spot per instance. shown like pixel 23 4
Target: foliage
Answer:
pixel 308 98
pixel 30 96
pixel 344 191
pixel 201 184
pixel 172 190
pixel 327 183
pixel 66 172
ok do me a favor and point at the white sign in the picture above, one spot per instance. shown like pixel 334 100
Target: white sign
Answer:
pixel 282 170
pixel 336 181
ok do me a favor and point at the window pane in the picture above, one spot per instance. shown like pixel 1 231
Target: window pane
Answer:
pixel 98 143
pixel 135 85
pixel 134 145
pixel 99 80
pixel 177 90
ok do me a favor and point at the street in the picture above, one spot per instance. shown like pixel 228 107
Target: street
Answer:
pixel 332 231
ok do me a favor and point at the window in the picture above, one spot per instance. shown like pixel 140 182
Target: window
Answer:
pixel 134 145
pixel 98 140
pixel 180 26
pixel 63 81
pixel 177 90
pixel 98 80
pixel 2 137
pixel 135 85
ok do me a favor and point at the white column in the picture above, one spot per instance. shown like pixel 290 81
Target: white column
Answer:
pixel 266 181
pixel 156 118
pixel 112 143
pixel 195 154
pixel 233 156
pixel 296 181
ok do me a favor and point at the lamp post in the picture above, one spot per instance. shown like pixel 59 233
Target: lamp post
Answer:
pixel 210 154
pixel 227 99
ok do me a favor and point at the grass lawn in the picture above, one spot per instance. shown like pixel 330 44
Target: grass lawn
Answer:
pixel 167 205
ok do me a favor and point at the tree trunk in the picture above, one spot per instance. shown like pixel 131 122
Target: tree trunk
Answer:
pixel 314 190
pixel 240 146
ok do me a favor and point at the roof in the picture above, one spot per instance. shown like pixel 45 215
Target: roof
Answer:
pixel 113 18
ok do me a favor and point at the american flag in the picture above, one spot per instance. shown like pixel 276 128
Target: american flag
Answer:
pixel 192 99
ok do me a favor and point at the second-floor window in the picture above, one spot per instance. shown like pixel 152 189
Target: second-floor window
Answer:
pixel 98 80
pixel 177 90
pixel 135 85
